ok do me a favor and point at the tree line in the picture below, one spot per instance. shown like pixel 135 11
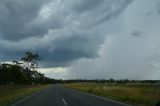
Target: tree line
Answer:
pixel 23 71
pixel 111 81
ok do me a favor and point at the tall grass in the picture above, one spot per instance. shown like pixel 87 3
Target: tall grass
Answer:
pixel 137 94
pixel 9 94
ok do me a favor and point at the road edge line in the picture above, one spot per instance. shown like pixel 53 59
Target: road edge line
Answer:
pixel 100 97
pixel 64 101
pixel 25 98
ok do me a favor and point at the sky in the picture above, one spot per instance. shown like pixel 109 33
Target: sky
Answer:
pixel 84 39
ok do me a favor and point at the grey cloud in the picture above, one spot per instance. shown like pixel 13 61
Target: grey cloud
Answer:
pixel 99 12
pixel 83 5
pixel 15 15
pixel 92 38
pixel 60 31
pixel 122 57
pixel 63 51
pixel 137 33
pixel 119 60
pixel 158 7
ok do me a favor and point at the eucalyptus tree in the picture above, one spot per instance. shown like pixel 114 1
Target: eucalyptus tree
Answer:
pixel 31 60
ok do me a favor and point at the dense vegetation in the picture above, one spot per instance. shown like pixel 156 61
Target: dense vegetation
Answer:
pixel 23 72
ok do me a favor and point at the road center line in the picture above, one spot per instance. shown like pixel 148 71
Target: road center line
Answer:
pixel 64 101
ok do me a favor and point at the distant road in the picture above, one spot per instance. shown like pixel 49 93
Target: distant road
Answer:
pixel 62 96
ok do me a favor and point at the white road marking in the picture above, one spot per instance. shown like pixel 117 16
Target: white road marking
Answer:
pixel 64 102
pixel 24 99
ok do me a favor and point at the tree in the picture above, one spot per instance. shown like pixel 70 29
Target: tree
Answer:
pixel 31 60
pixel 16 63
pixel 30 65
pixel 23 72
pixel 12 74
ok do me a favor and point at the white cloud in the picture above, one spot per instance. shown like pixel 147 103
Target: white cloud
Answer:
pixel 123 55
pixel 57 73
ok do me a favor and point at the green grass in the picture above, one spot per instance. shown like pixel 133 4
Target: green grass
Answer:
pixel 137 94
pixel 9 94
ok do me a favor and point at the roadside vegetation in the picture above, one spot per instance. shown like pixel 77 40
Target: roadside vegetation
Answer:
pixel 139 94
pixel 22 72
pixel 11 94
pixel 21 78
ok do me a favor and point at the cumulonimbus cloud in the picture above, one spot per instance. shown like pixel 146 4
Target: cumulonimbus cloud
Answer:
pixel 60 31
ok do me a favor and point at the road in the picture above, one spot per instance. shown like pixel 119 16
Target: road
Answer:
pixel 62 96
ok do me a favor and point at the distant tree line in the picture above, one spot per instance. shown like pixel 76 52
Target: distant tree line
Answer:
pixel 111 81
pixel 25 72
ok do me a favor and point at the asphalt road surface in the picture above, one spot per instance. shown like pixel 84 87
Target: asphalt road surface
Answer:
pixel 62 96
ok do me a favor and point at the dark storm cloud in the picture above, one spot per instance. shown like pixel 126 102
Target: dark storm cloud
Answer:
pixel 60 31
pixel 158 7
pixel 136 33
pixel 83 5
pixel 15 16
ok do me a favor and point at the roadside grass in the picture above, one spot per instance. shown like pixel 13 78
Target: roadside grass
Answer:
pixel 133 93
pixel 10 94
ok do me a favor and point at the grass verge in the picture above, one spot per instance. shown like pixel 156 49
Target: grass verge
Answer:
pixel 136 94
pixel 9 94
